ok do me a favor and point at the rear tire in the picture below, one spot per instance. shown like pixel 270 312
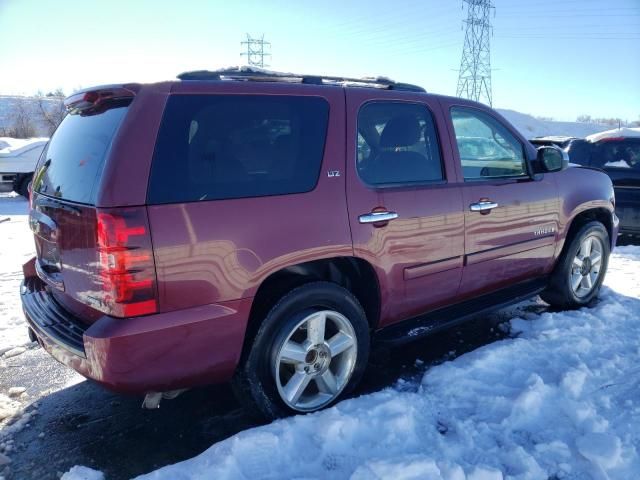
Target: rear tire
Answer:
pixel 578 276
pixel 22 186
pixel 310 351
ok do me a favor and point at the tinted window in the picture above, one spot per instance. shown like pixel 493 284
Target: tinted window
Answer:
pixel 617 154
pixel 487 149
pixel 228 146
pixel 397 143
pixel 579 151
pixel 72 162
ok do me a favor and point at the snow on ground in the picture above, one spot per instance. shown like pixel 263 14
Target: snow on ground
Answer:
pixel 531 127
pixel 558 400
pixel 82 473
pixel 16 247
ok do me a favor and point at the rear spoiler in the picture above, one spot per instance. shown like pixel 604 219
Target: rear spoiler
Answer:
pixel 91 99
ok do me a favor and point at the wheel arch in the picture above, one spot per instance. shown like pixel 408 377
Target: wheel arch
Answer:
pixel 599 214
pixel 355 274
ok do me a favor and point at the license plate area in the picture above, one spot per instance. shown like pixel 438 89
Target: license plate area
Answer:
pixel 48 264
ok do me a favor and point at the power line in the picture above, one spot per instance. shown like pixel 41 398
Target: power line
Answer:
pixel 474 79
pixel 255 51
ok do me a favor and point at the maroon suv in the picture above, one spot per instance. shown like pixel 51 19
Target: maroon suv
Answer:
pixel 267 228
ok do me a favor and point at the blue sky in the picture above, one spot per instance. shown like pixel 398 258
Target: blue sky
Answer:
pixel 557 58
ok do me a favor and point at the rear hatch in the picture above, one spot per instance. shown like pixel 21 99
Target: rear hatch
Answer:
pixel 94 261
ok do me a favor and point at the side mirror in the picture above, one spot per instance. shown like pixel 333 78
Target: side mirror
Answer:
pixel 551 159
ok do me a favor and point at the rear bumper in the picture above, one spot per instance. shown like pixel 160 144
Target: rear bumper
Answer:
pixel 165 351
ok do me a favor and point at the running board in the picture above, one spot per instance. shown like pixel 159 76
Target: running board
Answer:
pixel 423 325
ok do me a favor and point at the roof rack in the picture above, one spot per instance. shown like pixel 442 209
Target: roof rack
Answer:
pixel 253 74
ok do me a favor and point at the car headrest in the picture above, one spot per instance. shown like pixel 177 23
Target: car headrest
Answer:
pixel 400 131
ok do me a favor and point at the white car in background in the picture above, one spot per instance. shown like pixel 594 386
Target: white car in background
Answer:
pixel 18 158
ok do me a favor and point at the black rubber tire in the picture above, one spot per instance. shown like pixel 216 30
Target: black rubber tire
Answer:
pixel 23 186
pixel 253 382
pixel 559 293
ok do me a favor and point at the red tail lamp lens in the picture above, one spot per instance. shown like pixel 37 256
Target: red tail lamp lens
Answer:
pixel 127 269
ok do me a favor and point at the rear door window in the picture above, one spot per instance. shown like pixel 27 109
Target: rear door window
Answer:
pixel 397 145
pixel 73 160
pixel 214 147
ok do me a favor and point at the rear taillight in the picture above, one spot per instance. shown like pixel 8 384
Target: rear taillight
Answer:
pixel 126 265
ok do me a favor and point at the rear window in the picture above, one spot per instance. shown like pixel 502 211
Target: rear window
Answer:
pixel 214 147
pixel 617 154
pixel 72 162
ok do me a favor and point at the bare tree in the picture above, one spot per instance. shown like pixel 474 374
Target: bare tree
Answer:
pixel 51 109
pixel 22 125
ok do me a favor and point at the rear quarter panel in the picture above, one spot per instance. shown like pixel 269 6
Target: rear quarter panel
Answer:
pixel 214 251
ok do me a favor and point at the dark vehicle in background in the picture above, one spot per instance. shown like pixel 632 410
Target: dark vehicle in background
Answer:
pixel 616 152
pixel 267 228
pixel 552 140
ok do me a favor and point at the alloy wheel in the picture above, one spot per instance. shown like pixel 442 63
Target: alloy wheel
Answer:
pixel 315 362
pixel 586 266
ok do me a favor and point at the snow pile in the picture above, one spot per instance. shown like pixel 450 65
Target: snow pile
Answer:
pixel 615 133
pixel 8 407
pixel 82 473
pixel 531 127
pixel 16 247
pixel 558 400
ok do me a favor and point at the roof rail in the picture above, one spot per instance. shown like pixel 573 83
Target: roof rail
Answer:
pixel 254 74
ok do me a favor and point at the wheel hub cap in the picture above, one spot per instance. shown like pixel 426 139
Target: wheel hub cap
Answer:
pixel 315 361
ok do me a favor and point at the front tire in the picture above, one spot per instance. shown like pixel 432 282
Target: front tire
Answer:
pixel 311 350
pixel 577 278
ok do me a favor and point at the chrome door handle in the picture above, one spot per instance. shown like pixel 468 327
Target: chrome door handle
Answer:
pixel 375 217
pixel 482 206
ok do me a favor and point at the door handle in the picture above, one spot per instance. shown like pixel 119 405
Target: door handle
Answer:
pixel 482 206
pixel 375 217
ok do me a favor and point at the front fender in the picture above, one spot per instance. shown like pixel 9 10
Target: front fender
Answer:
pixel 584 192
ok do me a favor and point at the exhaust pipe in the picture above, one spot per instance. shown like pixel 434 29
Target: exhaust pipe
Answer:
pixel 152 399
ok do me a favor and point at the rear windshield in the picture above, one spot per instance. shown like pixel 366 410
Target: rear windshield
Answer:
pixel 72 162
pixel 213 147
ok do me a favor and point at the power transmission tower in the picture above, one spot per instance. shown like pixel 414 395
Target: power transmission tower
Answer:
pixel 255 51
pixel 474 79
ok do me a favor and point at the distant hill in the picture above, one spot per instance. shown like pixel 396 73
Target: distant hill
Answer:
pixel 531 127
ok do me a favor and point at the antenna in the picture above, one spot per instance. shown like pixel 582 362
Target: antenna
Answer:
pixel 474 79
